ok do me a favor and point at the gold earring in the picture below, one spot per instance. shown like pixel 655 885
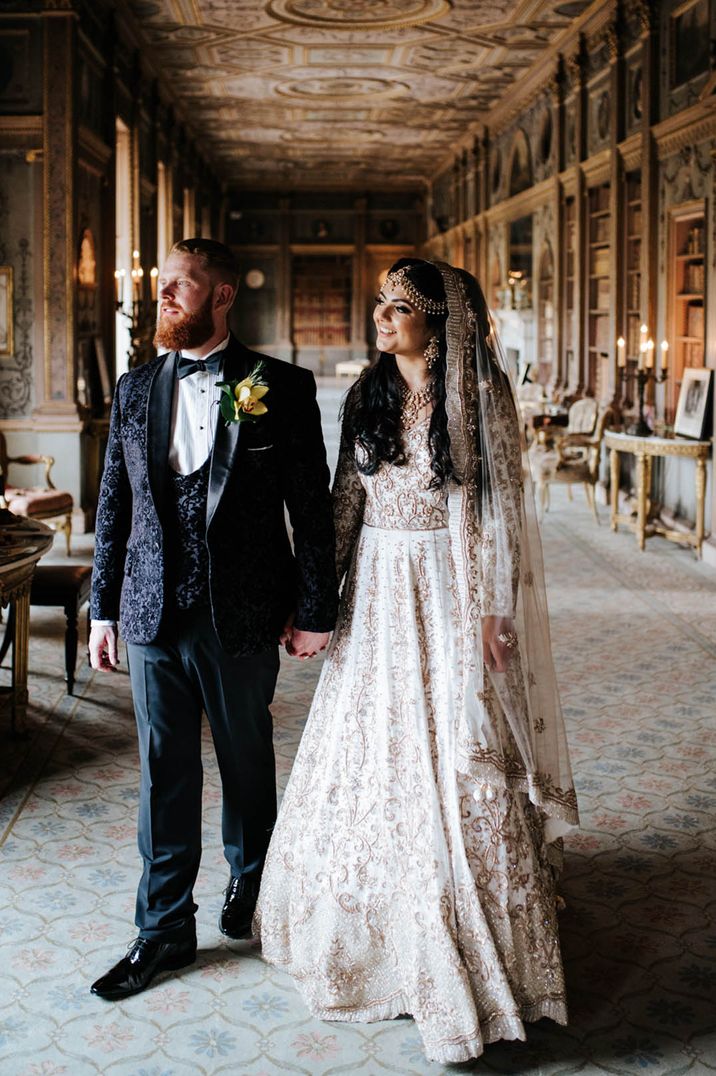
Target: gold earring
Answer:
pixel 432 352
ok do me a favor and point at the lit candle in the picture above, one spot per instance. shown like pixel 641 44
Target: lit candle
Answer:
pixel 135 259
pixel 119 275
pixel 135 284
pixel 664 354
pixel 642 353
pixel 621 351
pixel 643 333
pixel 153 274
pixel 650 354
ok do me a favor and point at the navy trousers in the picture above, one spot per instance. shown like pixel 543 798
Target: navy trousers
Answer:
pixel 182 673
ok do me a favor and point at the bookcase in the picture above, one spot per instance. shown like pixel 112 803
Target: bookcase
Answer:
pixel 632 276
pixel 599 284
pixel 321 300
pixel 687 313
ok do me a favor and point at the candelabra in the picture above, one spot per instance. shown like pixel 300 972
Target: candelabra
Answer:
pixel 644 373
pixel 141 311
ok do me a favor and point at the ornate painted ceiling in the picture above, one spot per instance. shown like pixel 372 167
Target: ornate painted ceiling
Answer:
pixel 288 93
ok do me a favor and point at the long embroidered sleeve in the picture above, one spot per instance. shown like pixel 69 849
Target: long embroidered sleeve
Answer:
pixel 348 505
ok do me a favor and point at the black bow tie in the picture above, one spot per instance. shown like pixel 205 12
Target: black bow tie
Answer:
pixel 187 366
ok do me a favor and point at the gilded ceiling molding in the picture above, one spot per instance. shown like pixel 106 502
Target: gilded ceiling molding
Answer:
pixel 324 14
pixel 611 39
pixel 642 9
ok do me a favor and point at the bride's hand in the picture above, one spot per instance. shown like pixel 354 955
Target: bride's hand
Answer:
pixel 499 640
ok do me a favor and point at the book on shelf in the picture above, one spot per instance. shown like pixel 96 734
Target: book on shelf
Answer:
pixel 600 198
pixel 694 277
pixel 601 333
pixel 693 354
pixel 600 263
pixel 695 320
pixel 603 292
pixel 600 230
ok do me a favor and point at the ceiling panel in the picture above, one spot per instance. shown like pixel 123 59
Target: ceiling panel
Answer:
pixel 341 92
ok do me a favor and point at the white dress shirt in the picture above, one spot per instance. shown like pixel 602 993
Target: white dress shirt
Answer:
pixel 195 413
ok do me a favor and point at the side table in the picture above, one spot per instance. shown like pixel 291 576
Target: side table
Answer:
pixel 644 449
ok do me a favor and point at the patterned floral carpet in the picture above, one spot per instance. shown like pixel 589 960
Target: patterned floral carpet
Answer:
pixel 635 641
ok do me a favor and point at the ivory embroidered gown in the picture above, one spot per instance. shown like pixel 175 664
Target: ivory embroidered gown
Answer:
pixel 394 884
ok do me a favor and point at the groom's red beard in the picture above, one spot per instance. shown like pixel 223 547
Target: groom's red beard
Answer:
pixel 186 331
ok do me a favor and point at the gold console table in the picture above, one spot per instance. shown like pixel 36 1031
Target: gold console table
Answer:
pixel 645 449
pixel 22 542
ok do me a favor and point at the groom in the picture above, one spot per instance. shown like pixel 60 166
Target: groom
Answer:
pixel 194 561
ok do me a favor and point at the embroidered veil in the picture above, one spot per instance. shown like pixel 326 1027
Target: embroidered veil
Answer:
pixel 511 731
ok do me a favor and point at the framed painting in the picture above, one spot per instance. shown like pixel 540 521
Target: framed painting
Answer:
pixel 7 346
pixel 693 406
pixel 690 41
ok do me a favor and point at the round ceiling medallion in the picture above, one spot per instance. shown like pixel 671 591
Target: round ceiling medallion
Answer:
pixel 359 14
pixel 336 88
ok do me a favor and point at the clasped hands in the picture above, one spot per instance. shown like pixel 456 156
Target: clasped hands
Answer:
pixel 302 644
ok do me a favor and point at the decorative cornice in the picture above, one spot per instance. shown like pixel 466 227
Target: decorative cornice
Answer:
pixel 596 169
pixel 20 132
pixel 689 127
pixel 631 151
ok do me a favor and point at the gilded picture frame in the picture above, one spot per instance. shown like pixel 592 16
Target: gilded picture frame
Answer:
pixel 7 343
pixel 693 406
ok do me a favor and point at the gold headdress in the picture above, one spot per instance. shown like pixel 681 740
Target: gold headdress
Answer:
pixel 400 279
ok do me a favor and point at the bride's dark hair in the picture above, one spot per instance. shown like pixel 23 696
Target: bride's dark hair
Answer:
pixel 372 409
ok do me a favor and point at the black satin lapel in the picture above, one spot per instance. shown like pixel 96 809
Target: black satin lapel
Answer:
pixel 227 437
pixel 159 419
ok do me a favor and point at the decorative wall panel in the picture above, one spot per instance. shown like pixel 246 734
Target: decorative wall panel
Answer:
pixel 16 227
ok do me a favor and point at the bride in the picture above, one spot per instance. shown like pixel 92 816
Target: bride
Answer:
pixel 412 867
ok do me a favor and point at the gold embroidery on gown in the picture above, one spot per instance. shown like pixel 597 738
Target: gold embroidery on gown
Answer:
pixel 395 884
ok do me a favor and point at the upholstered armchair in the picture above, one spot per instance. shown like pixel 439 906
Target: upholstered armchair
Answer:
pixel 571 458
pixel 38 502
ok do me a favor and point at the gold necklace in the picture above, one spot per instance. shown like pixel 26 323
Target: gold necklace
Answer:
pixel 413 402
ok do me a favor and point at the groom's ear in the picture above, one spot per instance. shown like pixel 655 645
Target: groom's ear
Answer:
pixel 224 295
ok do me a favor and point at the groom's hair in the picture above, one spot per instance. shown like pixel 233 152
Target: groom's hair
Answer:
pixel 217 258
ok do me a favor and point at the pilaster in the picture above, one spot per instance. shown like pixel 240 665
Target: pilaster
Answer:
pixel 56 390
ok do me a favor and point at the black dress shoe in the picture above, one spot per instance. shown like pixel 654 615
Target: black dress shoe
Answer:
pixel 145 959
pixel 239 906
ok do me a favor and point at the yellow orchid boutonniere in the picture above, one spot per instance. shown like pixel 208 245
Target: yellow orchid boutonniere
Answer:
pixel 242 401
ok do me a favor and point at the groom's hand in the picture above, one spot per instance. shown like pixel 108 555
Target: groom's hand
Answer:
pixel 306 644
pixel 103 646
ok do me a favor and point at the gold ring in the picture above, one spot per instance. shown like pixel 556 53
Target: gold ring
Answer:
pixel 509 638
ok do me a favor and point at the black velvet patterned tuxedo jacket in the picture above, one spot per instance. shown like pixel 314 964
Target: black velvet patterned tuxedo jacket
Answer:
pixel 257 467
